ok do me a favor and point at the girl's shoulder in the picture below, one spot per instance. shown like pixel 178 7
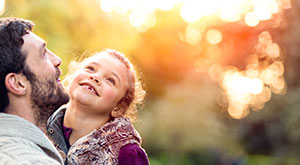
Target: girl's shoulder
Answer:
pixel 132 154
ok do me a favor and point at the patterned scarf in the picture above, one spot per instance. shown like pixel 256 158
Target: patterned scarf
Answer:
pixel 102 146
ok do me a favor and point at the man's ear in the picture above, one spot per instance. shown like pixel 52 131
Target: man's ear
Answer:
pixel 16 83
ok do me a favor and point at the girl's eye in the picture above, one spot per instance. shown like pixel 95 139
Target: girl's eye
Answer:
pixel 90 68
pixel 111 80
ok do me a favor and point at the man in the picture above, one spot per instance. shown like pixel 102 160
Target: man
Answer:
pixel 30 91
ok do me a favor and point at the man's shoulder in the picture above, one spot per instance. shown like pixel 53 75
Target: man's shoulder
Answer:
pixel 17 150
pixel 17 145
pixel 21 140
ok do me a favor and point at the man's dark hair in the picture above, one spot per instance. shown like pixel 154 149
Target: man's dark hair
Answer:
pixel 12 60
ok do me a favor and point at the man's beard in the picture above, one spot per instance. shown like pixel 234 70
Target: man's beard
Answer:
pixel 46 96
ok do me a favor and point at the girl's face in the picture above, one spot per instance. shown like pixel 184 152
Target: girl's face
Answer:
pixel 99 84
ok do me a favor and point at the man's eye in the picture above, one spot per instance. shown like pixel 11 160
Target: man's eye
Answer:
pixel 111 80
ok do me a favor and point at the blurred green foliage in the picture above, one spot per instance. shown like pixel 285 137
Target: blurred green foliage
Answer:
pixel 181 122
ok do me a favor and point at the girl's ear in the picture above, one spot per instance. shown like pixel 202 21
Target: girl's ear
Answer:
pixel 16 83
pixel 117 112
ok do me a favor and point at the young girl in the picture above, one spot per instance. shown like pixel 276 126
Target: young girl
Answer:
pixel 95 127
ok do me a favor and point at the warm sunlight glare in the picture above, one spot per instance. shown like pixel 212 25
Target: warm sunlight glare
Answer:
pixel 191 11
pixel 165 5
pixel 2 6
pixel 142 21
pixel 106 5
pixel 194 10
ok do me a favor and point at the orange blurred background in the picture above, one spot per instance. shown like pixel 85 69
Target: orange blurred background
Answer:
pixel 221 76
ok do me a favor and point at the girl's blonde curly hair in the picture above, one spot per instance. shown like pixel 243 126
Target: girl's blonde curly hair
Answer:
pixel 135 93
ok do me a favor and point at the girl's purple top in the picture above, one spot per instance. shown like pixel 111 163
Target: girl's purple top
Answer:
pixel 130 154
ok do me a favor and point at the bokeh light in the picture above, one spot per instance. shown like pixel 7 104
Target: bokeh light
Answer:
pixel 251 19
pixel 193 35
pixel 251 88
pixel 214 36
pixel 233 10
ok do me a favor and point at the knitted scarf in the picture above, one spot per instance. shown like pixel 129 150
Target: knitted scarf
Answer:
pixel 102 146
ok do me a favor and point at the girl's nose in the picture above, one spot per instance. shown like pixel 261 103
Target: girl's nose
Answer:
pixel 95 79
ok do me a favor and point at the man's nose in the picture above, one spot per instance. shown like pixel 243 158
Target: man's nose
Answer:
pixel 56 61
